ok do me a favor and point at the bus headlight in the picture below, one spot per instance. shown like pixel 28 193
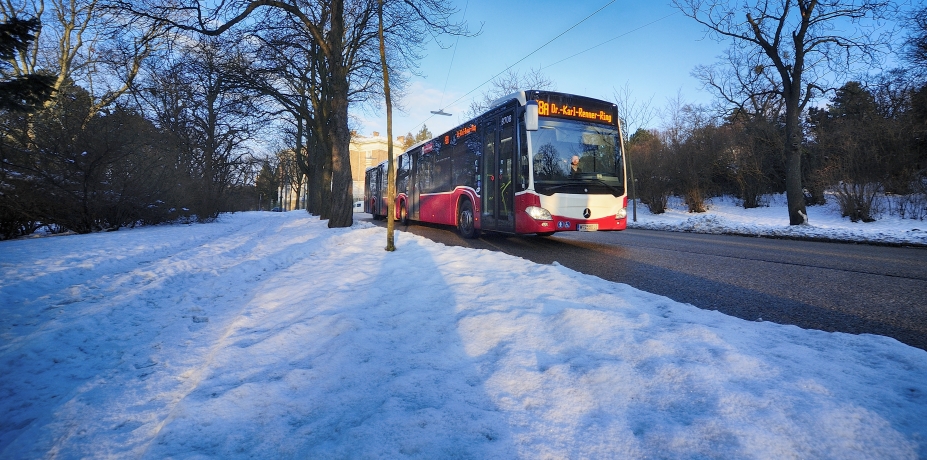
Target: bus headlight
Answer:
pixel 537 213
pixel 622 213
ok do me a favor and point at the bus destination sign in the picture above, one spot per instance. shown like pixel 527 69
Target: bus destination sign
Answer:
pixel 549 109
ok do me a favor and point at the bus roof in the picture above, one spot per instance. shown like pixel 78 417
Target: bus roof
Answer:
pixel 519 96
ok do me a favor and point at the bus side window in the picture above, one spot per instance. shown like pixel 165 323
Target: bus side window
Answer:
pixel 473 155
pixel 425 166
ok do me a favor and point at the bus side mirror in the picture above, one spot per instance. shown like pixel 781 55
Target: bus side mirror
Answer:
pixel 531 116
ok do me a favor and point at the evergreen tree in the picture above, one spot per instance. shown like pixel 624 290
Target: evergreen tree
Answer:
pixel 422 135
pixel 20 93
pixel 267 184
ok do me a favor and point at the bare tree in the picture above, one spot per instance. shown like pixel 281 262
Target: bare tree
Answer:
pixel 651 161
pixel 291 175
pixel 635 113
pixel 287 68
pixel 916 43
pixel 509 83
pixel 694 142
pixel 342 31
pixel 802 46
pixel 85 42
pixel 91 56
pixel 197 95
pixel 753 161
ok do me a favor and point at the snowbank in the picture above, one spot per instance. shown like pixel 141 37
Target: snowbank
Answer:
pixel 726 216
pixel 268 335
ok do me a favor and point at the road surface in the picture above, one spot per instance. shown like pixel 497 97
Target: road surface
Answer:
pixel 851 288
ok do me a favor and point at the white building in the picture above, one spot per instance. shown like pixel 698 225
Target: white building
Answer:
pixel 367 152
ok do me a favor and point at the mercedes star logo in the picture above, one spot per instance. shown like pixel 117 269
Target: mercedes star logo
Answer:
pixel 587 213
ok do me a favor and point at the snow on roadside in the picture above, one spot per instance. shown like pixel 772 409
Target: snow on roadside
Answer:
pixel 268 335
pixel 726 216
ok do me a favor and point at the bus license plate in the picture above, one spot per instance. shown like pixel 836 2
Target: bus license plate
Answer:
pixel 587 227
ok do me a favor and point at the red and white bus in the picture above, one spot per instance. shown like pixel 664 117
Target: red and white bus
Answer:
pixel 536 162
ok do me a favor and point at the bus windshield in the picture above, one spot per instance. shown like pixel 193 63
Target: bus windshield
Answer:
pixel 576 157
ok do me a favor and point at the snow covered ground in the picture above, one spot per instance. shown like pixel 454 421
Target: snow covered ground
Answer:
pixel 726 216
pixel 268 335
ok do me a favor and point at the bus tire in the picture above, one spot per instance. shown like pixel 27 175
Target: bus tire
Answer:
pixel 466 223
pixel 403 214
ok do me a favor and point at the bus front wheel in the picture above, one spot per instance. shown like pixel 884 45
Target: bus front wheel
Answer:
pixel 466 223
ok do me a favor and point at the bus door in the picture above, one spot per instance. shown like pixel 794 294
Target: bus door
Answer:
pixel 414 189
pixel 498 171
pixel 382 200
pixel 369 184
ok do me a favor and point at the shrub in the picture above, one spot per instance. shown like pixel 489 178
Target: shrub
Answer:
pixel 857 200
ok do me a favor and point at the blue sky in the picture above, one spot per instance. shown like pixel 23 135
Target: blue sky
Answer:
pixel 651 47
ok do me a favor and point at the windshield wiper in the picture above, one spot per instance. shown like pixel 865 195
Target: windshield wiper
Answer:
pixel 614 189
pixel 559 186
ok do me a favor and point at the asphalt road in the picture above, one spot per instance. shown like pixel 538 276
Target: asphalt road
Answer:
pixel 851 288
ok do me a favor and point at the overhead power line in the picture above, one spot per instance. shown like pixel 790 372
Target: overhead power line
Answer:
pixel 451 66
pixel 610 40
pixel 527 56
pixel 548 43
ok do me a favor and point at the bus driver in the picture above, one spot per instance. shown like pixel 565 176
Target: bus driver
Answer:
pixel 574 165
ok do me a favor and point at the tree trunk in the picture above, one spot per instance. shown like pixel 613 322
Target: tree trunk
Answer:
pixel 390 174
pixel 342 211
pixel 299 156
pixel 314 198
pixel 794 193
pixel 342 183
pixel 326 191
pixel 793 189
